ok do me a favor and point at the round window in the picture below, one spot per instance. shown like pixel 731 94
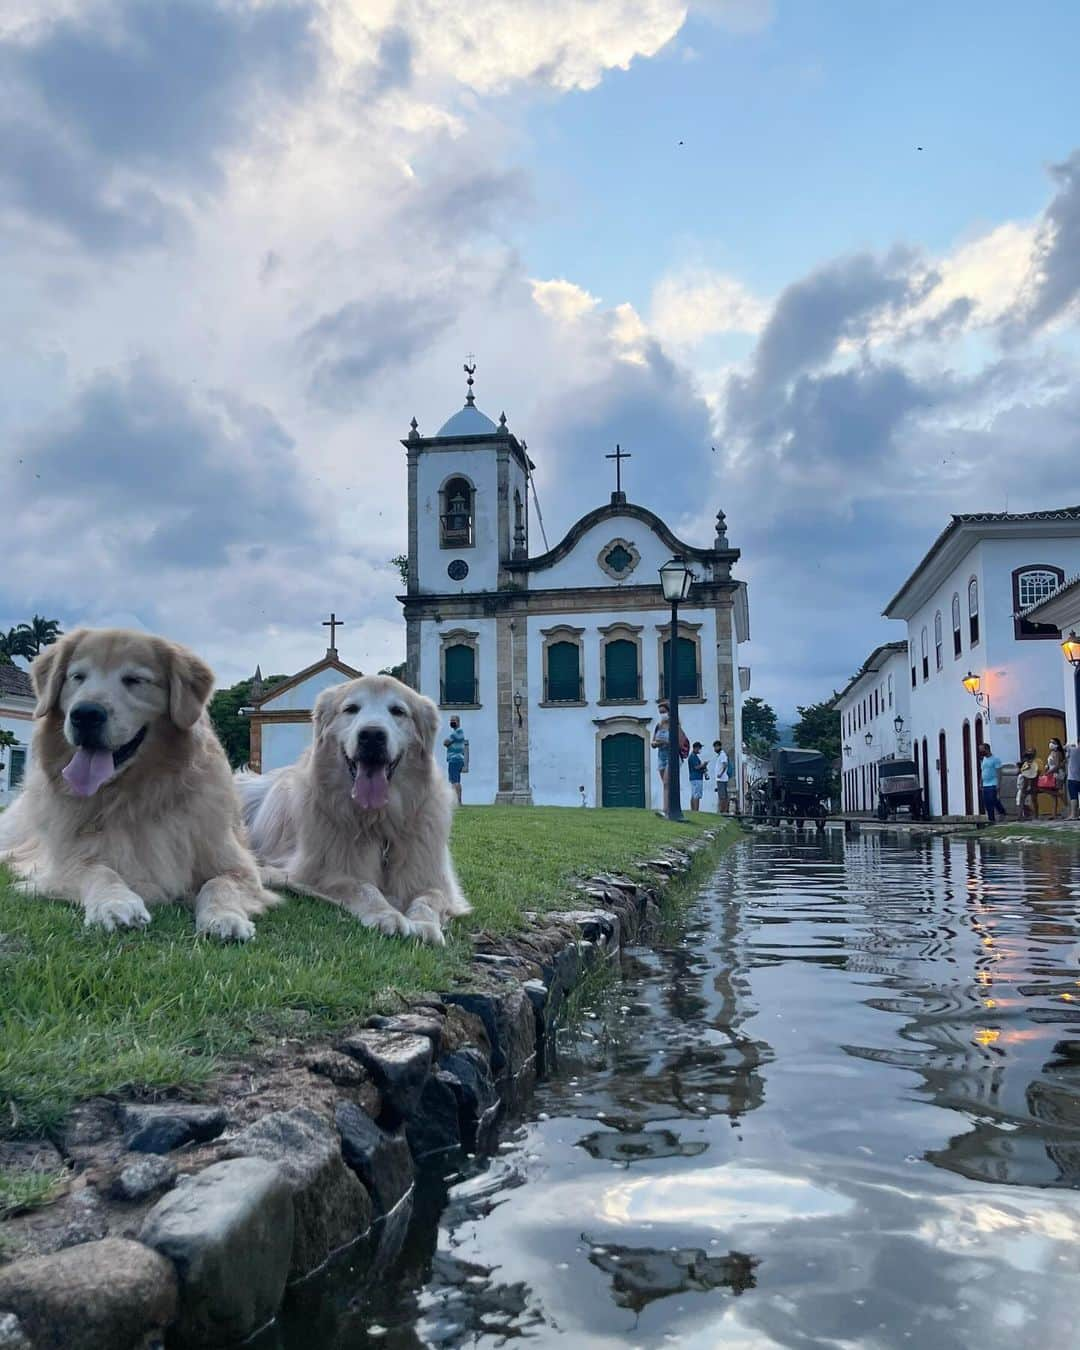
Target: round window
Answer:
pixel 458 570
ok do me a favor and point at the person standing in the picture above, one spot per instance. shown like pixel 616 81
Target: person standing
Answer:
pixel 1026 777
pixel 991 777
pixel 1055 769
pixel 661 743
pixel 455 755
pixel 1072 779
pixel 721 774
pixel 698 772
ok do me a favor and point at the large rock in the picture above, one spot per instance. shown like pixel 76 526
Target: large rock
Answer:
pixel 116 1294
pixel 382 1161
pixel 427 1023
pixel 399 1062
pixel 330 1206
pixel 477 1101
pixel 508 1018
pixel 435 1126
pixel 167 1125
pixel 229 1233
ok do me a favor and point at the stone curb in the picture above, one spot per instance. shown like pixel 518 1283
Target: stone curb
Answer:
pixel 270 1203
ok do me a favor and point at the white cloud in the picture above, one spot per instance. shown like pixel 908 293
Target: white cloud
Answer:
pixel 564 301
pixel 694 304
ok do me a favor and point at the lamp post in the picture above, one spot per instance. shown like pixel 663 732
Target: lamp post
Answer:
pixel 675 582
pixel 869 739
pixel 973 684
pixel 725 699
pixel 1071 648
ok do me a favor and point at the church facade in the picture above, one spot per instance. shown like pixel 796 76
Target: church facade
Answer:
pixel 555 660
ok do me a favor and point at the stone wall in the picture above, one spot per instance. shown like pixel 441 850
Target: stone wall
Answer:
pixel 185 1223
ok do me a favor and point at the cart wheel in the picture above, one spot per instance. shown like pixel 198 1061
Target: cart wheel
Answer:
pixel 882 811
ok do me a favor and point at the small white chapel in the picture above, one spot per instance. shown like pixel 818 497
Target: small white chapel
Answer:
pixel 554 661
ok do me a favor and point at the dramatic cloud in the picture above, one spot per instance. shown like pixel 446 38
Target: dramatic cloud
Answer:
pixel 1055 282
pixel 697 304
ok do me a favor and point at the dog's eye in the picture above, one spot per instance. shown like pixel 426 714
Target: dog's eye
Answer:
pixel 130 681
pixel 78 676
pixel 351 708
pixel 397 712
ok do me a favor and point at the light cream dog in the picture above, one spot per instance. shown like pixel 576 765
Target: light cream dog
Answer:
pixel 129 800
pixel 362 819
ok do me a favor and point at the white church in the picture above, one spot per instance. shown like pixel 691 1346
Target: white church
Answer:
pixel 554 661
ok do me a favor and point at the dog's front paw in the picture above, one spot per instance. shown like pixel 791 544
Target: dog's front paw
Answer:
pixel 390 922
pixel 428 930
pixel 122 909
pixel 228 927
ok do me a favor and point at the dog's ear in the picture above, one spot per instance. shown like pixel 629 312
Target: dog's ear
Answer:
pixel 49 671
pixel 427 719
pixel 190 683
pixel 325 709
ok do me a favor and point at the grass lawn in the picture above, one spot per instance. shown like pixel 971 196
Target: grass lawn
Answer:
pixel 1044 834
pixel 83 1012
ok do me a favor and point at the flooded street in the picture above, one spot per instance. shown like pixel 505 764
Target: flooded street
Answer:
pixel 837 1105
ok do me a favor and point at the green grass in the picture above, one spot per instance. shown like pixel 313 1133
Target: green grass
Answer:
pixel 1048 834
pixel 20 1191
pixel 83 1012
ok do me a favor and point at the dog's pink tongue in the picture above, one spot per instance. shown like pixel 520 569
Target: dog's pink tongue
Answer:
pixel 371 790
pixel 88 770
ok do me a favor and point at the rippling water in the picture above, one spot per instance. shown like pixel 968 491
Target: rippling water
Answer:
pixel 838 1106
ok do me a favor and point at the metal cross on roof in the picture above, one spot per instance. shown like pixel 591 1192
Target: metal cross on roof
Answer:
pixel 333 623
pixel 618 457
pixel 470 371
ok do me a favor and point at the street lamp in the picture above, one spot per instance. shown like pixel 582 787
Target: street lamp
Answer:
pixel 725 698
pixel 675 582
pixel 869 739
pixel 1071 648
pixel 898 725
pixel 973 684
pixel 847 749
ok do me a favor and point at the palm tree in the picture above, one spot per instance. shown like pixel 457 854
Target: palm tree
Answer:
pixel 39 633
pixel 15 642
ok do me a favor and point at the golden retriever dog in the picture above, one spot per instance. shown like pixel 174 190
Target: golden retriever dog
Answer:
pixel 362 819
pixel 129 800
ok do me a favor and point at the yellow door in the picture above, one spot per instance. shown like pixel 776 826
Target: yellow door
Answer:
pixel 1036 731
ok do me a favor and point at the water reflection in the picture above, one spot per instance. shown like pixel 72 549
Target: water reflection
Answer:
pixel 837 1105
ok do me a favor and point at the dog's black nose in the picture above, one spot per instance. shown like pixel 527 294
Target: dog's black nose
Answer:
pixel 88 722
pixel 371 744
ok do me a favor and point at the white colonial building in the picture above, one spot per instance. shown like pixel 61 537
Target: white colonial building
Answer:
pixel 555 661
pixel 16 717
pixel 1062 609
pixel 869 706
pixel 965 609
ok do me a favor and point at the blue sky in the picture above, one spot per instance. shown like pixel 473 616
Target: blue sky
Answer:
pixel 248 241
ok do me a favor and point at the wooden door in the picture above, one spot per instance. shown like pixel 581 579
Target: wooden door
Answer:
pixel 622 770
pixel 969 808
pixel 943 772
pixel 1037 726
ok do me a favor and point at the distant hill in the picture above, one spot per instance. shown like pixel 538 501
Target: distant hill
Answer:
pixel 787 732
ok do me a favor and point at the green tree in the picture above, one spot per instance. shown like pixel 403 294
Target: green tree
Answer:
pixel 40 632
pixel 234 731
pixel 818 728
pixel 7 740
pixel 759 726
pixel 401 562
pixel 397 671
pixel 15 642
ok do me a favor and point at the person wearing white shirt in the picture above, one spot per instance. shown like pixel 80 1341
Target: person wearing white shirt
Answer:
pixel 720 776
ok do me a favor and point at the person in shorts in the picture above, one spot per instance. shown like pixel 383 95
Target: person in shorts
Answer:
pixel 1072 779
pixel 721 773
pixel 695 766
pixel 455 755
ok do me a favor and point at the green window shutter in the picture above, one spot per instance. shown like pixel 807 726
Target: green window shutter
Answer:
pixel 460 682
pixel 564 673
pixel 620 670
pixel 687 672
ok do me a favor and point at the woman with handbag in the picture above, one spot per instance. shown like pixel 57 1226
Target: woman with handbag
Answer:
pixel 1053 779
pixel 1027 793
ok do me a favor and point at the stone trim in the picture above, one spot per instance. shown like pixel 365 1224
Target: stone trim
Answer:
pixel 459 637
pixel 572 600
pixel 719 559
pixel 444 547
pixel 635 558
pixel 412 579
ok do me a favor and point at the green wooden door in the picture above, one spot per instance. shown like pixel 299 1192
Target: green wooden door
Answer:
pixel 622 770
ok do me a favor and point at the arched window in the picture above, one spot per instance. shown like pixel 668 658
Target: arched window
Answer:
pixel 686 672
pixel 621 679
pixel 458 685
pixel 956 640
pixel 890 691
pixel 456 513
pixel 925 657
pixel 911 660
pixel 973 611
pixel 937 640
pixel 1030 585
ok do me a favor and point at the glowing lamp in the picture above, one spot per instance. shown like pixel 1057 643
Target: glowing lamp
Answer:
pixel 1071 648
pixel 972 683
